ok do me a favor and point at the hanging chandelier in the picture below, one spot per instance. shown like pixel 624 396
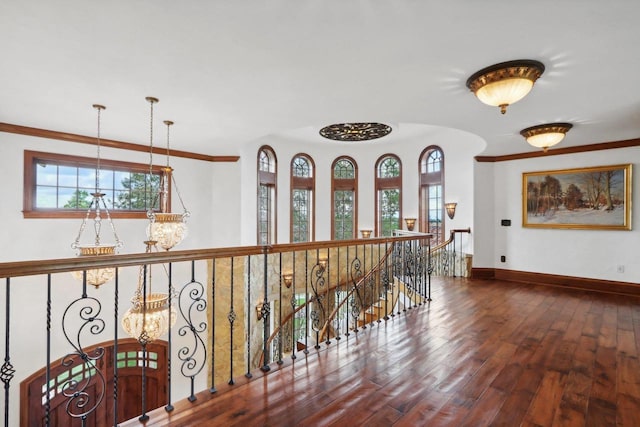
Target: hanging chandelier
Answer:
pixel 99 276
pixel 151 313
pixel 165 228
pixel 502 84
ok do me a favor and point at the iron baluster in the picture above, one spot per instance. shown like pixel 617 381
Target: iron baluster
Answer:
pixel 231 317
pixel 191 301
pixel 363 285
pixel 116 322
pixel 212 389
pixel 265 311
pixel 355 301
pixel 79 404
pixel 378 283
pixel 280 311
pixel 429 270
pixel 170 291
pixel 307 302
pixel 337 297
pixel 328 302
pixel 143 339
pixel 47 406
pixel 384 277
pixel 248 374
pixel 346 294
pixel 294 336
pixel 318 281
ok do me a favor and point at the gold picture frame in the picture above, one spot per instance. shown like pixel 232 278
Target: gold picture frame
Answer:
pixel 597 198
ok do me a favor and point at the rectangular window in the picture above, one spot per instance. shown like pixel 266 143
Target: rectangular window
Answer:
pixel 435 212
pixel 343 214
pixel 389 211
pixel 301 215
pixel 265 198
pixel 62 186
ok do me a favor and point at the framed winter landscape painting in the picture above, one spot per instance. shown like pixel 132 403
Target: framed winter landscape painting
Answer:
pixel 586 198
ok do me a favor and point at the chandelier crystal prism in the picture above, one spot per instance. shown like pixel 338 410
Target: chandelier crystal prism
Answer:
pixel 151 313
pixel 502 84
pixel 165 228
pixel 97 207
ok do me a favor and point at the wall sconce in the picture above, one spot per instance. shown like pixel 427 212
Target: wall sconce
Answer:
pixel 451 209
pixel 411 223
pixel 323 262
pixel 259 307
pixel 287 278
pixel 366 233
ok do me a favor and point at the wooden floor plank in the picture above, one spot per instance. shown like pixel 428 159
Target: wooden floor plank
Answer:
pixel 481 353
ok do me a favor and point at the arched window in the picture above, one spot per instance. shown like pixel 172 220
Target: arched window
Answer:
pixel 388 195
pixel 267 166
pixel 302 198
pixel 344 190
pixel 432 193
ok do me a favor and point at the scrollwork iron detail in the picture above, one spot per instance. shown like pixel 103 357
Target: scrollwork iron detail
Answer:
pixel 6 373
pixel 79 403
pixel 191 301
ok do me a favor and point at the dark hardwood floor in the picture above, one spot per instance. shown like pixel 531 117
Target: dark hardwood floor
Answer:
pixel 481 353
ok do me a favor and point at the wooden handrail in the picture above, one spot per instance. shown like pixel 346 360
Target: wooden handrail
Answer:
pixel 51 266
pixel 353 289
pixel 333 313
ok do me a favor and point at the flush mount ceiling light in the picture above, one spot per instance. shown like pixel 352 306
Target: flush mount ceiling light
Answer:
pixel 547 135
pixel 502 84
pixel 355 131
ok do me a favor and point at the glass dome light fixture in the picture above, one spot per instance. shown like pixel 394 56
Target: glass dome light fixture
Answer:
pixel 546 135
pixel 502 84
pixel 151 313
pixel 167 229
pixel 99 276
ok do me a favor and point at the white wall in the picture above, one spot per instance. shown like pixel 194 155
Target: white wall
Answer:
pixel 199 183
pixel 579 253
pixel 31 238
pixel 459 149
pixel 222 200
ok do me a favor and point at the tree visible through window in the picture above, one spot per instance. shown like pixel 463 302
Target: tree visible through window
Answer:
pixel 388 195
pixel 302 192
pixel 431 193
pixel 344 186
pixel 59 185
pixel 266 196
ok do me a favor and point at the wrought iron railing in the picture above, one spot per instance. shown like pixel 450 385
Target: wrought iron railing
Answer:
pixel 449 259
pixel 237 310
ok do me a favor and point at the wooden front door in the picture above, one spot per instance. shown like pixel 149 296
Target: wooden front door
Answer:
pixel 66 372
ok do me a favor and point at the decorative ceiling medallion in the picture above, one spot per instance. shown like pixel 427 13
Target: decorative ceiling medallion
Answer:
pixel 355 131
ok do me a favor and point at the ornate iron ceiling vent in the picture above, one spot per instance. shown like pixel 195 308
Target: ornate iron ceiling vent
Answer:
pixel 355 131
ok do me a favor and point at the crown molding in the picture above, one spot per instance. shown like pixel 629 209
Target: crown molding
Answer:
pixel 558 151
pixel 82 139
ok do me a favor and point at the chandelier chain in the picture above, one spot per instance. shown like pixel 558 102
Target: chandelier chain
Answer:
pixel 152 199
pixel 168 123
pixel 151 101
pixel 99 108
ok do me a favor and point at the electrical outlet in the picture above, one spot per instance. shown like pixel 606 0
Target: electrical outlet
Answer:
pixel 620 269
pixel 503 258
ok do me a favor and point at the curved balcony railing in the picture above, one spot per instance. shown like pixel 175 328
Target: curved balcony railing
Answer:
pixel 235 310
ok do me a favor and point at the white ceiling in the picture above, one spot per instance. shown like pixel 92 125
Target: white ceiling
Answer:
pixel 231 71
